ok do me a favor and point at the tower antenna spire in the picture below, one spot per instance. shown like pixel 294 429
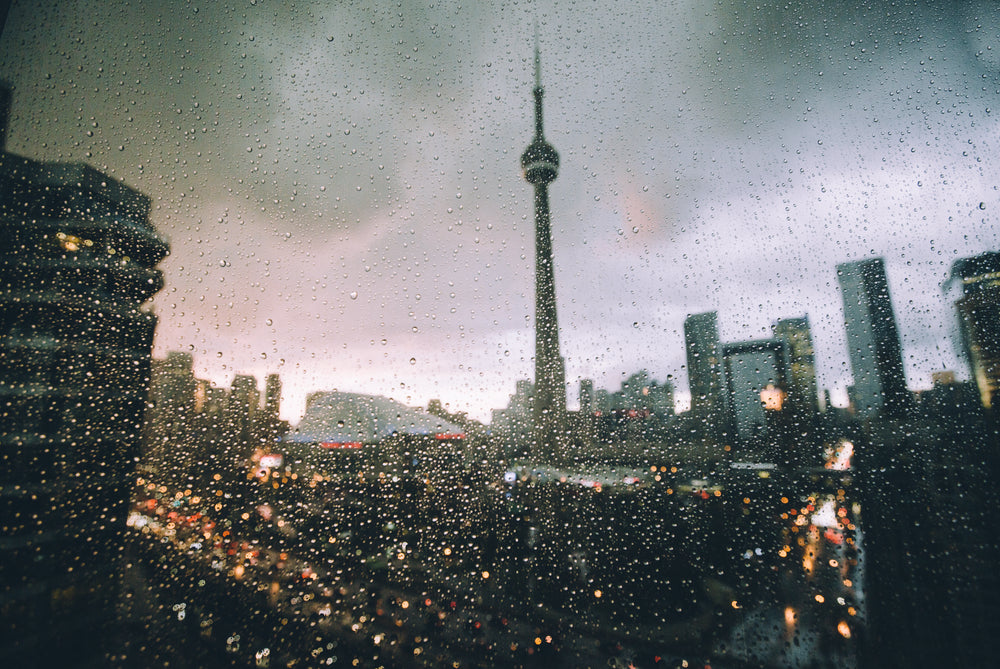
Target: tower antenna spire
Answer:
pixel 538 87
pixel 538 61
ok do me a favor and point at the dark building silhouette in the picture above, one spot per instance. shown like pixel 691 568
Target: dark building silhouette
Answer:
pixel 756 379
pixel 540 163
pixel 244 406
pixel 586 396
pixel 642 394
pixel 949 398
pixel 515 421
pixel 929 493
pixel 872 340
pixel 640 411
pixel 172 395
pixel 4 96
pixel 704 363
pixel 189 420
pixel 269 423
pixel 272 397
pixel 800 365
pixel 979 320
pixel 78 263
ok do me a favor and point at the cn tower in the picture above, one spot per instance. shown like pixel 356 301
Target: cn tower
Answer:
pixel 540 164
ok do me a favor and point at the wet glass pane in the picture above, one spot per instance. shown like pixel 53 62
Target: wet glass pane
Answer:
pixel 552 334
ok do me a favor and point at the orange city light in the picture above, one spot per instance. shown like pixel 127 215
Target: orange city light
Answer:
pixel 772 397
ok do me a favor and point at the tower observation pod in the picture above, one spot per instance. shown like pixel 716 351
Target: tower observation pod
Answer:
pixel 540 164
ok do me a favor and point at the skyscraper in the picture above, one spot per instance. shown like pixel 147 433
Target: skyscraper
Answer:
pixel 979 320
pixel 172 389
pixel 872 340
pixel 270 422
pixel 751 368
pixel 77 265
pixel 244 403
pixel 586 396
pixel 800 366
pixel 540 163
pixel 272 396
pixel 704 364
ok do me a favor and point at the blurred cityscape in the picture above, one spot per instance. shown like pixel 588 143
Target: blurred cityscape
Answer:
pixel 151 518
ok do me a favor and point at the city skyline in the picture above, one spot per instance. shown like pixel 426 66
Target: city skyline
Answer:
pixel 790 341
pixel 747 168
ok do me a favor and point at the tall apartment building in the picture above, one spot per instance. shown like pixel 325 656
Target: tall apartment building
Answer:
pixel 753 370
pixel 800 366
pixel 77 268
pixel 872 340
pixel 704 364
pixel 979 320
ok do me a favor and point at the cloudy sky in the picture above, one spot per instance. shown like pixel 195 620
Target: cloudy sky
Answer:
pixel 340 184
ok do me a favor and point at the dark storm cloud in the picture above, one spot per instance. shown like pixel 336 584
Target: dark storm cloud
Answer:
pixel 340 185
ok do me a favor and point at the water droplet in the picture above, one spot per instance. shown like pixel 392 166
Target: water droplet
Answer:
pixel 354 295
pixel 635 228
pixel 982 205
pixel 269 322
pixel 413 361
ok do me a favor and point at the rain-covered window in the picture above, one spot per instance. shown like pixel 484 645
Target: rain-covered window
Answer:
pixel 543 334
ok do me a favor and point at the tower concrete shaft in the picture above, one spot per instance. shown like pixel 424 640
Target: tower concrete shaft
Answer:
pixel 540 163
